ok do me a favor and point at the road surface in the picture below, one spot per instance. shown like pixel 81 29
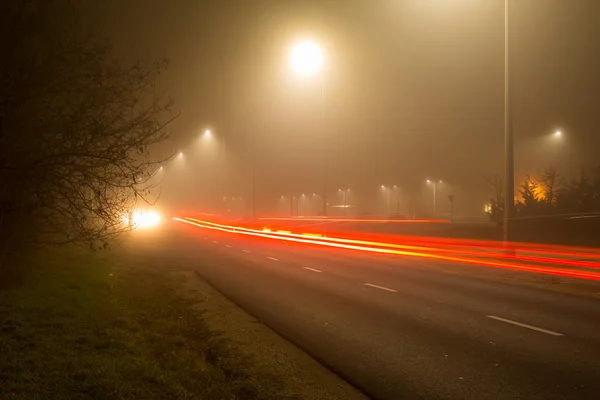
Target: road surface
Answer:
pixel 404 328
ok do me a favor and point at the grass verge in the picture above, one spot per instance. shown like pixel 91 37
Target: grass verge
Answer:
pixel 75 326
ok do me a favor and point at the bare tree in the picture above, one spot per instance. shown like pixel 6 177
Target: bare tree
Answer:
pixel 551 185
pixel 78 128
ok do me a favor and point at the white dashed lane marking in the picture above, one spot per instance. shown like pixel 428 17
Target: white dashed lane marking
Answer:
pixel 312 269
pixel 522 325
pixel 381 287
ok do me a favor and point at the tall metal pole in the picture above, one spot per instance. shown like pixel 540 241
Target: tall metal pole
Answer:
pixel 434 199
pixel 323 141
pixel 253 188
pixel 508 136
pixel 388 201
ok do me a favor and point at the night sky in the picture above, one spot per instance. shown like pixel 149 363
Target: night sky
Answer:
pixel 413 90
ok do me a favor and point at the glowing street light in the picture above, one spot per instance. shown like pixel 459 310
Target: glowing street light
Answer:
pixel 307 58
pixel 558 133
pixel 207 132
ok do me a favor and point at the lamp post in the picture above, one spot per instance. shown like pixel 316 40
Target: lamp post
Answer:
pixel 508 136
pixel 344 194
pixel 312 208
pixel 509 160
pixel 388 190
pixel 307 59
pixel 434 185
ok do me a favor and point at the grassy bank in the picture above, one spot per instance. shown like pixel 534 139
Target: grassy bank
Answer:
pixel 74 326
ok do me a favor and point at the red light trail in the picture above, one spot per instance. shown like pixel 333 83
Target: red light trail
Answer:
pixel 463 256
pixel 404 221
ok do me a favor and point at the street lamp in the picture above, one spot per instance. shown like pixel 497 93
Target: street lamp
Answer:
pixel 208 135
pixel 508 137
pixel 389 192
pixel 509 159
pixel 563 151
pixel 312 207
pixel 307 59
pixel 434 184
pixel 297 198
pixel 302 200
pixel 344 193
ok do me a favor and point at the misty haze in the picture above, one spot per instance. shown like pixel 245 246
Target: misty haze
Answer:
pixel 299 199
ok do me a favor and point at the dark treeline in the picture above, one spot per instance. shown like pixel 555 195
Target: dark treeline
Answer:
pixel 550 194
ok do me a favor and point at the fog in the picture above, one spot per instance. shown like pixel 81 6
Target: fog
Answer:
pixel 412 90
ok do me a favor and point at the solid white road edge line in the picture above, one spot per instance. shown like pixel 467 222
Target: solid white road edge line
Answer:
pixel 246 251
pixel 381 287
pixel 215 242
pixel 227 246
pixel 273 258
pixel 522 325
pixel 312 269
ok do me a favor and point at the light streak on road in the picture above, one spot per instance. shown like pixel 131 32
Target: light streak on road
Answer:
pixel 376 247
pixel 572 251
pixel 382 220
pixel 571 255
pixel 480 251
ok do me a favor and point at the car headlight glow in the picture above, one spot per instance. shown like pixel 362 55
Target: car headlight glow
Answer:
pixel 143 219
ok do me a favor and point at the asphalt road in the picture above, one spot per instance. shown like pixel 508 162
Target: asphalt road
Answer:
pixel 403 328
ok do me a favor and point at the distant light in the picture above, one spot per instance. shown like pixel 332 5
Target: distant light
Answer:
pixel 558 133
pixel 142 219
pixel 180 154
pixel 383 186
pixel 428 181
pixel 306 58
pixel 207 132
pixel 440 181
pixel 161 168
